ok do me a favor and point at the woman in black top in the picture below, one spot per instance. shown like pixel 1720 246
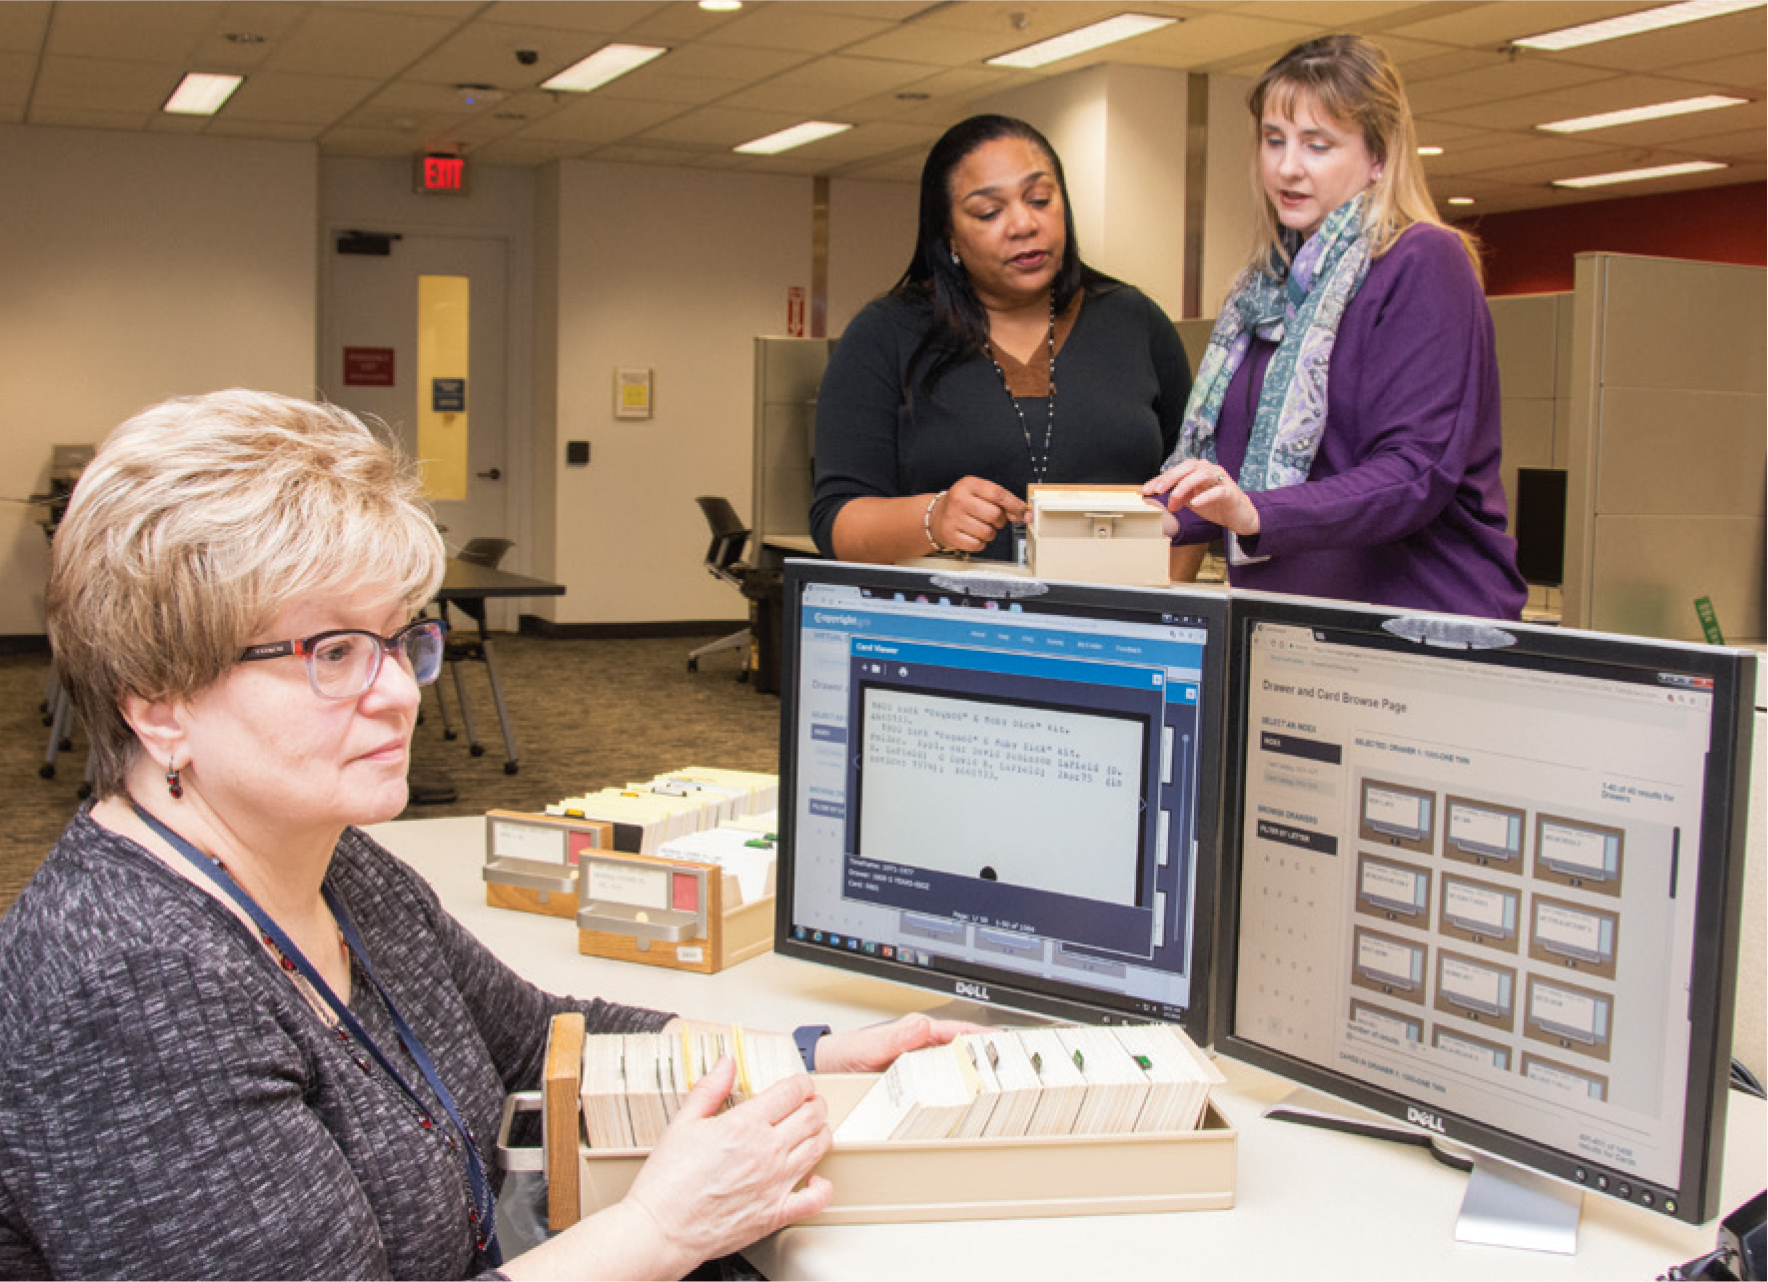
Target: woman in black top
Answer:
pixel 998 361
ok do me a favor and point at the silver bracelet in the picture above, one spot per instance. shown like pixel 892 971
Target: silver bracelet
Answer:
pixel 927 524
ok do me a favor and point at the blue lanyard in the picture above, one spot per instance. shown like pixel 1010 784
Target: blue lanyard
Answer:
pixel 483 1208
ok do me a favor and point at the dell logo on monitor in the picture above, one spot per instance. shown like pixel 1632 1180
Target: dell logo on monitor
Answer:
pixel 1429 1121
pixel 978 991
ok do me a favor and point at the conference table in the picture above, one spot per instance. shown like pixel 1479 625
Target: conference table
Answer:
pixel 467 587
pixel 1309 1203
pixel 462 580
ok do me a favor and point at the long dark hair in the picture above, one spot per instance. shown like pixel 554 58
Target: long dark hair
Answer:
pixel 960 323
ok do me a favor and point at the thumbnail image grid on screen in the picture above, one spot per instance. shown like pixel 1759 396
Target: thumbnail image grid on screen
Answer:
pixel 1513 905
pixel 1003 793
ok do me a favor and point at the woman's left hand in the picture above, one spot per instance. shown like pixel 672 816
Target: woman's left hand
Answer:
pixel 868 1050
pixel 1207 490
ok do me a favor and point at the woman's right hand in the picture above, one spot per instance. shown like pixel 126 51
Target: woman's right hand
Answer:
pixel 1207 490
pixel 718 1181
pixel 972 512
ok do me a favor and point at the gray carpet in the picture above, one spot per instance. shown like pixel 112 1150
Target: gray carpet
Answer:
pixel 587 714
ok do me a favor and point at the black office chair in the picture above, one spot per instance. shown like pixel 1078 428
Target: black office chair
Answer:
pixel 475 647
pixel 724 560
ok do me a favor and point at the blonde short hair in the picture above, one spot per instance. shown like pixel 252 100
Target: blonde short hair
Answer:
pixel 198 520
pixel 1354 81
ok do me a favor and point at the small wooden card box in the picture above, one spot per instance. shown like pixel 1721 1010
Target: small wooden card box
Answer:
pixel 1096 534
pixel 989 1179
pixel 531 860
pixel 676 913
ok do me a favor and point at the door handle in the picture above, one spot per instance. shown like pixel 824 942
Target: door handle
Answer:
pixel 492 475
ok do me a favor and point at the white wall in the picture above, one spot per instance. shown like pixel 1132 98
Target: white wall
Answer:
pixel 136 267
pixel 871 235
pixel 1144 238
pixel 1120 132
pixel 1230 196
pixel 675 270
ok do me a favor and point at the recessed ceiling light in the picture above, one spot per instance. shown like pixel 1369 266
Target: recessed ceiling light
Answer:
pixel 1460 200
pixel 1430 151
pixel 721 6
pixel 1632 115
pixel 1631 24
pixel 1639 175
pixel 1081 40
pixel 796 136
pixel 610 62
pixel 201 94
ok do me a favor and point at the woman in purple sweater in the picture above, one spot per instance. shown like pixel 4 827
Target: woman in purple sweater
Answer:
pixel 1342 437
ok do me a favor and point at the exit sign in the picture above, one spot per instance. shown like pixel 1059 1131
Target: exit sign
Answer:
pixel 442 175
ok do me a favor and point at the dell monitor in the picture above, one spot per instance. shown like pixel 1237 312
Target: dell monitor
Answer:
pixel 1002 789
pixel 1484 878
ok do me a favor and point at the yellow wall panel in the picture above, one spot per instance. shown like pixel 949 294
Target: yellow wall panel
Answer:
pixel 442 386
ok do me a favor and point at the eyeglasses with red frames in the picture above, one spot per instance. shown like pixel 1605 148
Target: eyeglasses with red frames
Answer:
pixel 344 663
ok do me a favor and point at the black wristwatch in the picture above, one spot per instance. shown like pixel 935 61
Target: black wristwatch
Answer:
pixel 807 1037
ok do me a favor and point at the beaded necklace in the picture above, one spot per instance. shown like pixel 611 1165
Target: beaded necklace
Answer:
pixel 1040 468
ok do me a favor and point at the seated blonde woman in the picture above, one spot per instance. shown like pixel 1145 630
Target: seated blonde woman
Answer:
pixel 240 1039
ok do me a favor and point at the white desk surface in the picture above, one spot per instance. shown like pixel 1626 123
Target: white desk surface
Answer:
pixel 1309 1203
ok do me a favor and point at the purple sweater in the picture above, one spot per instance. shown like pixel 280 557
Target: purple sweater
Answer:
pixel 1403 506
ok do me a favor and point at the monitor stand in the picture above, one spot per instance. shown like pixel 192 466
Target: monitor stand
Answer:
pixel 1508 1205
pixel 1505 1204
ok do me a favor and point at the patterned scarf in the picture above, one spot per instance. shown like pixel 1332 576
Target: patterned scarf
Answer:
pixel 1298 309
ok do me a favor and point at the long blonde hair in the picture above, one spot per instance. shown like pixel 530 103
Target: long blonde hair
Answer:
pixel 1353 81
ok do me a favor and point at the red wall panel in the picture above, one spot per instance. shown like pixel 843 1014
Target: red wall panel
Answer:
pixel 1531 251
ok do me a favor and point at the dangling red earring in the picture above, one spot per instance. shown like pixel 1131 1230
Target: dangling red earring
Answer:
pixel 173 785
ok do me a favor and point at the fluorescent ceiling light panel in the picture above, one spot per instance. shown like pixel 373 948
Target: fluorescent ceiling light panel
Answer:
pixel 1633 115
pixel 201 94
pixel 610 62
pixel 1056 48
pixel 796 136
pixel 1631 24
pixel 1639 175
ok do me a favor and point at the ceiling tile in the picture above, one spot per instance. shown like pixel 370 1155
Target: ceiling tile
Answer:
pixel 23 24
pixel 378 77
pixel 801 28
pixel 279 98
pixel 819 87
pixel 1676 46
pixel 599 121
pixel 342 41
pixel 1495 25
pixel 139 32
pixel 103 85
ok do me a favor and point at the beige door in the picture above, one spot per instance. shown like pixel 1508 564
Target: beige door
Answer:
pixel 369 364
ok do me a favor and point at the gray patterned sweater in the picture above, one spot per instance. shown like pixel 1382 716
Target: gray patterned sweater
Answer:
pixel 170 1106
